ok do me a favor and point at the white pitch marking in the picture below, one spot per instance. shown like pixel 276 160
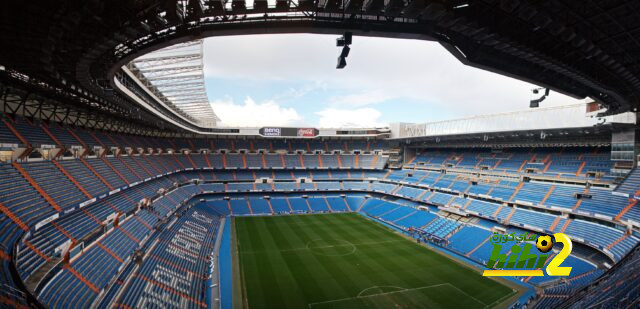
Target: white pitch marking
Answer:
pixel 465 293
pixel 372 295
pixel 322 247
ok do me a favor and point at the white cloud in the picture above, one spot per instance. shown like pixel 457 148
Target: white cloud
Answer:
pixel 378 69
pixel 252 114
pixel 360 99
pixel 294 93
pixel 341 118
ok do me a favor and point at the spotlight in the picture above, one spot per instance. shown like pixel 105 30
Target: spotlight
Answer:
pixel 344 42
pixel 342 62
pixel 345 52
pixel 348 37
pixel 536 102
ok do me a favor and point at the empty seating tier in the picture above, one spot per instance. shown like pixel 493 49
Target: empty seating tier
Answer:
pixel 61 191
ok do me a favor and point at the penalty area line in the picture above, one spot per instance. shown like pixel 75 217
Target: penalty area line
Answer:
pixel 465 293
pixel 310 305
pixel 501 299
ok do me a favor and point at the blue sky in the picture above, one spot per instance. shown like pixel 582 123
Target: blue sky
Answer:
pixel 291 80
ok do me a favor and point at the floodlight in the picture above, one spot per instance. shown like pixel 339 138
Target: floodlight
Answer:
pixel 344 42
pixel 342 62
pixel 348 37
pixel 534 103
pixel 345 52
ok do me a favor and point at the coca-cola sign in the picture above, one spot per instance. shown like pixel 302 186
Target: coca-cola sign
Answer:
pixel 306 132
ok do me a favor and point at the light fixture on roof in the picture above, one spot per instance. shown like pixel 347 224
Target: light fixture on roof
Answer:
pixel 536 102
pixel 344 41
pixel 342 62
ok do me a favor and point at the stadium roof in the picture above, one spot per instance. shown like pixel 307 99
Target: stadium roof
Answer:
pixel 558 117
pixel 569 125
pixel 76 49
pixel 175 76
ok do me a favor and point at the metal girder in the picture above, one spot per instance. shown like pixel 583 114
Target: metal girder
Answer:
pixel 21 101
pixel 179 101
pixel 181 83
pixel 170 70
pixel 182 86
pixel 165 60
pixel 183 91
pixel 187 105
pixel 186 95
pixel 157 80
pixel 194 106
pixel 194 109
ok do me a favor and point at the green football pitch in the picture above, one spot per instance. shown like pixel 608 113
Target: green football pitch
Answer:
pixel 348 261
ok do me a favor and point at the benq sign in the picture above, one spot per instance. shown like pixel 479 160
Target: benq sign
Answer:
pixel 272 132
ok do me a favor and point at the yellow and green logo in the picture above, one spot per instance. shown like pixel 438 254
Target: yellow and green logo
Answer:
pixel 522 261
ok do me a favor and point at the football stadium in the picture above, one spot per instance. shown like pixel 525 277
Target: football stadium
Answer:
pixel 122 184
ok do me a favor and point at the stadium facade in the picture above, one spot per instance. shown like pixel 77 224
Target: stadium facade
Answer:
pixel 118 189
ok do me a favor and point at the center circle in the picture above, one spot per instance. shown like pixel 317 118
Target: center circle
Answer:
pixel 331 247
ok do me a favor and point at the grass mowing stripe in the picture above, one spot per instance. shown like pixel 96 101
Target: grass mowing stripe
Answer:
pixel 433 296
pixel 376 259
pixel 350 259
pixel 266 265
pixel 312 260
pixel 244 240
pixel 329 277
pixel 373 295
pixel 299 264
pixel 401 263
